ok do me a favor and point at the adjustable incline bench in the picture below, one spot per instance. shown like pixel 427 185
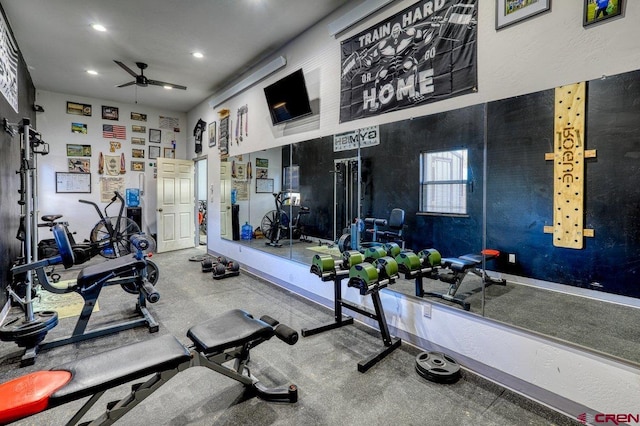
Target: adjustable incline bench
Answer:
pixel 459 267
pixel 217 341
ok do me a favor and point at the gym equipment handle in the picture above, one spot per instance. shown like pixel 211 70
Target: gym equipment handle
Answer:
pixel 283 332
pixel 286 334
pixel 150 292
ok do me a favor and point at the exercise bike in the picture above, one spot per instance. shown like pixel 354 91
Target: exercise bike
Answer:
pixel 135 273
pixel 276 225
pixel 109 237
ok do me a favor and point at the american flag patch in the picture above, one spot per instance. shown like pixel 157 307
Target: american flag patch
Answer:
pixel 114 132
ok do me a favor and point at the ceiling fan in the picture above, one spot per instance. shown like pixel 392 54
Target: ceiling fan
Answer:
pixel 142 81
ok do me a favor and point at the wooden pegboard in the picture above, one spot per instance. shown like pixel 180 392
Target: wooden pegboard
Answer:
pixel 568 172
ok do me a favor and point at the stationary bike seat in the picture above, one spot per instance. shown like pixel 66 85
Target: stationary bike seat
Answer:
pixel 51 217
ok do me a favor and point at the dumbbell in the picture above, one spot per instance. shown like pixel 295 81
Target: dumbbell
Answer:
pixel 366 276
pixel 324 264
pixel 410 261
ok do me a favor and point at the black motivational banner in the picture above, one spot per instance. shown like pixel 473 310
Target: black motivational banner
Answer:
pixel 423 54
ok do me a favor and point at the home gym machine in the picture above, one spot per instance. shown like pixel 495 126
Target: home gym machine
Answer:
pixel 134 273
pixel 31 145
pixel 369 275
pixel 276 224
pixel 216 342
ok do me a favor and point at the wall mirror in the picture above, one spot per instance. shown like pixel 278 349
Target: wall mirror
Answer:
pixel 492 156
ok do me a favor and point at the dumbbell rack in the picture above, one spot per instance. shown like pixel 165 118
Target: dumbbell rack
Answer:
pixel 336 276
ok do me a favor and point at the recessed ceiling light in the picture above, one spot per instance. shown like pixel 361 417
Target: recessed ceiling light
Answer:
pixel 197 55
pixel 92 72
pixel 99 27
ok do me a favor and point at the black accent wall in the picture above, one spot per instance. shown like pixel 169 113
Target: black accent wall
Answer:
pixel 9 180
pixel 520 187
pixel 519 131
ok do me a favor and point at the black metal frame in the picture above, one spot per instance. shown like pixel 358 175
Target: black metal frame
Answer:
pixel 390 342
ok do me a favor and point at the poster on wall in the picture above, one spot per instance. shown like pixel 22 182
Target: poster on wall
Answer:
pixel 108 185
pixel 8 64
pixel 423 54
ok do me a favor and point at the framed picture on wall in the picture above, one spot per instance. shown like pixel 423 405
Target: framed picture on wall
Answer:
pixel 154 152
pixel 110 113
pixel 155 135
pixel 264 186
pixel 600 10
pixel 212 133
pixel 169 153
pixel 509 12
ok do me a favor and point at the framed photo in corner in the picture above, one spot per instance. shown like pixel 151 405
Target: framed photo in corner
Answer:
pixel 600 10
pixel 509 12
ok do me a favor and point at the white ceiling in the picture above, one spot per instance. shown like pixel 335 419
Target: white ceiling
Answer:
pixel 59 45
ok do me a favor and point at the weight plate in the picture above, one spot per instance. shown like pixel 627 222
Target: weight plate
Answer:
pixel 437 367
pixel 18 328
pixel 131 286
pixel 234 266
pixel 344 243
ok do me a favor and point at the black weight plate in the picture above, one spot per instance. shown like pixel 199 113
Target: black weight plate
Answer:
pixel 223 260
pixel 152 276
pixel 18 328
pixel 437 367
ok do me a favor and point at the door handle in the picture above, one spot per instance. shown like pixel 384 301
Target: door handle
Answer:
pixel 159 210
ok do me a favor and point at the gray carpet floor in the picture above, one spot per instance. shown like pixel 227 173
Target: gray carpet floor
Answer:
pixel 323 366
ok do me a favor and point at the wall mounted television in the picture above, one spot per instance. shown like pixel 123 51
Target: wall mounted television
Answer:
pixel 287 98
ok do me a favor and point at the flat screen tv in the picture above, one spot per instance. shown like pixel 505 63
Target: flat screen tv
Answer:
pixel 287 98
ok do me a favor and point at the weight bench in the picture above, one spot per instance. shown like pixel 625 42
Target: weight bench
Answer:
pixel 459 267
pixel 228 337
pixel 133 272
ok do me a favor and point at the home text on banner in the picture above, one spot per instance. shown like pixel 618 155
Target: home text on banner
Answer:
pixel 423 54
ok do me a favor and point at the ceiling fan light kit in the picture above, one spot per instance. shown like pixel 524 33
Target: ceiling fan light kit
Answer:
pixel 142 81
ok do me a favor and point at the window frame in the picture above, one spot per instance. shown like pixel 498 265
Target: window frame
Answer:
pixel 426 182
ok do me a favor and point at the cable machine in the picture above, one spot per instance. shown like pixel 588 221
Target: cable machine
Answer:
pixel 31 145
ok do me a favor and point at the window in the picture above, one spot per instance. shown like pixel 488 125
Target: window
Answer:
pixel 443 182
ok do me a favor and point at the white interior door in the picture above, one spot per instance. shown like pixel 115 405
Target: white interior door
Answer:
pixel 225 200
pixel 176 204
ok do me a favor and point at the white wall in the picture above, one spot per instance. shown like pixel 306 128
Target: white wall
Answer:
pixel 55 126
pixel 541 53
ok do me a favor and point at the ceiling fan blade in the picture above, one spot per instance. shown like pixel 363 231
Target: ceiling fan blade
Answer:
pixel 126 68
pixel 127 84
pixel 162 83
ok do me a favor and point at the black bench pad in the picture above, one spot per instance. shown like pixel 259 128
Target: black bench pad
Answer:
pixel 229 330
pixel 119 266
pixel 118 366
pixel 458 263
